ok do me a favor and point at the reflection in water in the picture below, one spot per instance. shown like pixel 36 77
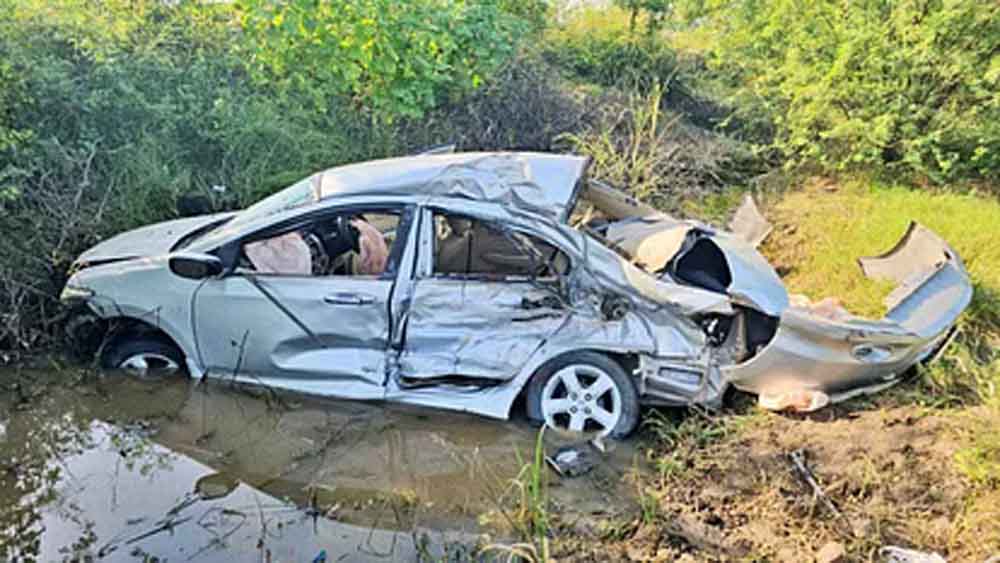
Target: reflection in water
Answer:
pixel 123 468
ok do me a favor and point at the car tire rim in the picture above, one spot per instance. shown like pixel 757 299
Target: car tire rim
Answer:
pixel 148 363
pixel 582 398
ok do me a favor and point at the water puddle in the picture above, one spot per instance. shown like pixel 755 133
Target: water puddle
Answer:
pixel 124 469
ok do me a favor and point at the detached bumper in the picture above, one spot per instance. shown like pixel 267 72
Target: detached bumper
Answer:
pixel 846 356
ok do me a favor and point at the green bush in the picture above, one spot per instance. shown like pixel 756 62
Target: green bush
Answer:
pixel 602 46
pixel 111 110
pixel 899 87
pixel 393 57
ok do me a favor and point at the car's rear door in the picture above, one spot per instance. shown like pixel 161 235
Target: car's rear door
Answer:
pixel 325 334
pixel 474 311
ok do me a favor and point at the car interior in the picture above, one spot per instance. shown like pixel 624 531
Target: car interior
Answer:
pixel 355 244
pixel 471 248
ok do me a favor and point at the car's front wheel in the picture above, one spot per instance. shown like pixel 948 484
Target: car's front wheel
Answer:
pixel 144 356
pixel 585 392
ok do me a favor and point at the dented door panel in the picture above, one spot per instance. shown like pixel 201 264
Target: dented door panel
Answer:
pixel 472 328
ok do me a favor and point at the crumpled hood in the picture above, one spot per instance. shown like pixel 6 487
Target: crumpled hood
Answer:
pixel 151 240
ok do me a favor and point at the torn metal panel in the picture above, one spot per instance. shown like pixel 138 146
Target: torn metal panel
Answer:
pixel 651 244
pixel 755 283
pixel 840 356
pixel 748 223
pixel 675 249
pixel 933 285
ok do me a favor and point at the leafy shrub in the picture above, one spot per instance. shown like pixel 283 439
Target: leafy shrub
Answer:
pixel 601 46
pixel 393 57
pixel 524 106
pixel 907 86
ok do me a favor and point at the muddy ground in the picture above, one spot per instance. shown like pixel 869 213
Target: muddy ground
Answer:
pixel 729 490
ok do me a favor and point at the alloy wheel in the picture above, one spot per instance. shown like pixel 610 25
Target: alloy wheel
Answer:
pixel 581 398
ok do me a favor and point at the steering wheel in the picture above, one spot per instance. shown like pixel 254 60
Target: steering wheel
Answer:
pixel 339 236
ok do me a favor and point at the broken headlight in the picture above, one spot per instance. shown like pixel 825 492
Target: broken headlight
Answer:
pixel 75 293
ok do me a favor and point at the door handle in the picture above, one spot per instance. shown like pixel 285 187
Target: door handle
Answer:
pixel 348 299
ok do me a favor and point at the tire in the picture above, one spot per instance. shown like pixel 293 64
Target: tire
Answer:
pixel 611 410
pixel 160 356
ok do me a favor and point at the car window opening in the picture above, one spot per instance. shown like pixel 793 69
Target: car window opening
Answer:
pixel 470 248
pixel 357 244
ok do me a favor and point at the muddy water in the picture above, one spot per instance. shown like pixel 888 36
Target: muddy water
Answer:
pixel 114 468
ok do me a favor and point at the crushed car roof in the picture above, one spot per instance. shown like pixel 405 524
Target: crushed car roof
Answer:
pixel 537 182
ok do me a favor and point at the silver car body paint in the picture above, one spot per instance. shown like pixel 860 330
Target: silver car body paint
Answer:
pixel 844 357
pixel 473 345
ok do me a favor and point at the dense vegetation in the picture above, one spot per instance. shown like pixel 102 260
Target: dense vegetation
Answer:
pixel 908 87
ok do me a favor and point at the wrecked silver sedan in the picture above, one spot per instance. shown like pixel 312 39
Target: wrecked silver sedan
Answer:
pixel 465 281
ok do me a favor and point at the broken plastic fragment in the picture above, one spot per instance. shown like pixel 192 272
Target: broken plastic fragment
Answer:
pixel 801 400
pixel 571 461
pixel 748 223
pixel 895 554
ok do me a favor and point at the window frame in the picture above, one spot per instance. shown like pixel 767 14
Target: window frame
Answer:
pixel 426 269
pixel 231 251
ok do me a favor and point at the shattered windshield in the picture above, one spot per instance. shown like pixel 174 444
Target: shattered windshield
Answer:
pixel 301 193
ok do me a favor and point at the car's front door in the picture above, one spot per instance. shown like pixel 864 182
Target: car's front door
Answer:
pixel 295 316
pixel 482 302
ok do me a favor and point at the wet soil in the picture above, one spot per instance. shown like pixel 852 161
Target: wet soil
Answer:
pixel 105 466
pixel 884 474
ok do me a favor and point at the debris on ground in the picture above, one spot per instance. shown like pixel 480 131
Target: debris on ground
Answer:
pixel 832 552
pixel 572 461
pixel 215 486
pixel 895 554
pixel 799 400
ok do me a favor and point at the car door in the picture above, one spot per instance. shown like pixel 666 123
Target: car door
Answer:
pixel 324 334
pixel 474 312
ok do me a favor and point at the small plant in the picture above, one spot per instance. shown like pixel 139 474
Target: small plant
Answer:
pixel 529 518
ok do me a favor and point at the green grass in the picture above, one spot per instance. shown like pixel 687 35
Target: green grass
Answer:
pixel 822 229
pixel 834 225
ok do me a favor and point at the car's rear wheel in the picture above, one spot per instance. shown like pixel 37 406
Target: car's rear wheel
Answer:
pixel 144 356
pixel 585 392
